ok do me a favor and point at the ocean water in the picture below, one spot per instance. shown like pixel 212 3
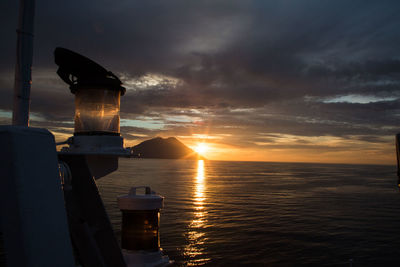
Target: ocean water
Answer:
pixel 268 214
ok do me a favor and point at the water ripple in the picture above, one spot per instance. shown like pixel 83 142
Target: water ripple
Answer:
pixel 268 214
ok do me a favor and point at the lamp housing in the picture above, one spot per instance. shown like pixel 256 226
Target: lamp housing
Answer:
pixel 97 111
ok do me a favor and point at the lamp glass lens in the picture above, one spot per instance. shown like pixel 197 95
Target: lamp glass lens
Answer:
pixel 97 110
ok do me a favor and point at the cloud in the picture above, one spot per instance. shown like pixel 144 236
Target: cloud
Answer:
pixel 225 67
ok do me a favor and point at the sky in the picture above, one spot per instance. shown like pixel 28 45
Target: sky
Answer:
pixel 302 81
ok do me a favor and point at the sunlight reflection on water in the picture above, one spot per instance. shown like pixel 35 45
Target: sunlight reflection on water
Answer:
pixel 195 248
pixel 267 214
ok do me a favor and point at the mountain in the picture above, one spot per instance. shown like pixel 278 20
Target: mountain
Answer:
pixel 163 148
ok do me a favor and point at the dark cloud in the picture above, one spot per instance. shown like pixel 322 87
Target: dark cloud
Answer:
pixel 252 66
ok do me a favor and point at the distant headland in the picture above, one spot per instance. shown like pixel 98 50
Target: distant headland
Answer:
pixel 163 148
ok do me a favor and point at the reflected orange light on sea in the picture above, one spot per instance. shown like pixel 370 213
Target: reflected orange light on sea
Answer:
pixel 194 250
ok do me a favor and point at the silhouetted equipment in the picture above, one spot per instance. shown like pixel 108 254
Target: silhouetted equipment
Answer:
pixel 398 156
pixel 46 199
pixel 90 227
pixel 77 71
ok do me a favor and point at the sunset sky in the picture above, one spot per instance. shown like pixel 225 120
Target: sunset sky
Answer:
pixel 307 81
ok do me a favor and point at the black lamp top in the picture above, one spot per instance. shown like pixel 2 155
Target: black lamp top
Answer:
pixel 79 72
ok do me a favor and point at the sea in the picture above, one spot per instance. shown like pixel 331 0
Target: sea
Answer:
pixel 221 213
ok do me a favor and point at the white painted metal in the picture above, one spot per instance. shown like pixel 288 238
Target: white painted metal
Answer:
pixel 148 201
pixel 33 217
pixel 23 66
pixel 96 145
pixel 101 151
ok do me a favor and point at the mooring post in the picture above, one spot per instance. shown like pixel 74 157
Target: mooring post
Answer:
pixel 398 157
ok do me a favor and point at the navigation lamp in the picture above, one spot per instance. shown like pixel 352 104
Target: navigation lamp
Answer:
pixel 97 93
pixel 97 111
pixel 140 220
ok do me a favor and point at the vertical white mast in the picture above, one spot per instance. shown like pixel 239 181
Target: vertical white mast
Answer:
pixel 23 67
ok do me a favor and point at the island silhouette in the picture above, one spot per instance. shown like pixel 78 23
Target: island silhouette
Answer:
pixel 164 148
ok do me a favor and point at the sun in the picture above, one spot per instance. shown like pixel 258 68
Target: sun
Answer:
pixel 201 148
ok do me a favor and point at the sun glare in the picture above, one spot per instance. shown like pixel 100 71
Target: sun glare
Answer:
pixel 201 148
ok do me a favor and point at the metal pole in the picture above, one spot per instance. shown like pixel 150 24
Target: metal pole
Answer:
pixel 398 157
pixel 23 67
